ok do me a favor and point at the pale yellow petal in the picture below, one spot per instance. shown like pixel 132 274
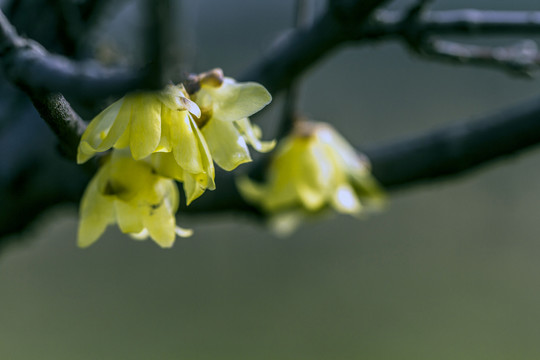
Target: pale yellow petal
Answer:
pixel 251 134
pixel 96 212
pixel 143 235
pixel 165 142
pixel 194 186
pixel 347 154
pixel 128 178
pixel 122 121
pixel 85 152
pixel 313 177
pixel 282 178
pixel 185 143
pixel 206 156
pixel 173 97
pixel 345 200
pixel 145 125
pixel 369 191
pixel 227 146
pixel 165 165
pixel 171 196
pixel 104 130
pixel 251 191
pixel 234 101
pixel 281 195
pixel 182 232
pixel 123 141
pixel 128 216
pixel 286 222
pixel 161 225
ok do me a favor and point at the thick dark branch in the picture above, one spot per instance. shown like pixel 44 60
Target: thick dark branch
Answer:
pixel 458 148
pixel 30 66
pixel 290 58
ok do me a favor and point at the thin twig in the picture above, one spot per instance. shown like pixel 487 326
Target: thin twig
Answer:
pixel 290 111
pixel 393 23
pixel 158 38
pixel 519 59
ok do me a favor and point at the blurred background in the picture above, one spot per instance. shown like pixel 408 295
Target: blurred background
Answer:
pixel 448 271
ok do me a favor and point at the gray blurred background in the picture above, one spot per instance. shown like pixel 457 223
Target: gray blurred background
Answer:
pixel 448 271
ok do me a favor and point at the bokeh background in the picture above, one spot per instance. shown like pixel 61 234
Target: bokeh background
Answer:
pixel 449 270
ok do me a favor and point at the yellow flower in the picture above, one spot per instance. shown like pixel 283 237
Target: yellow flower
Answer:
pixel 145 122
pixel 155 122
pixel 314 168
pixel 129 193
pixel 225 106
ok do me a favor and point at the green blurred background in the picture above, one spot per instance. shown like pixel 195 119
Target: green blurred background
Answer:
pixel 448 271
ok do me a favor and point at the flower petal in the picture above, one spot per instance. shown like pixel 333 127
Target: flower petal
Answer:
pixel 123 141
pixel 143 235
pixel 345 200
pixel 96 212
pixel 283 190
pixel 145 125
pixel 165 165
pixel 165 141
pixel 127 178
pixel 251 134
pixel 285 223
pixel 128 217
pixel 194 186
pixel 185 143
pixel 234 101
pixel 341 148
pixel 104 130
pixel 206 157
pixel 313 176
pixel 227 146
pixel 161 225
pixel 173 97
pixel 182 232
pixel 171 196
pixel 250 190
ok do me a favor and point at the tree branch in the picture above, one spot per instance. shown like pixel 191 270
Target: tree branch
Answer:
pixel 397 23
pixel 417 27
pixel 435 155
pixel 62 119
pixel 289 59
pixel 29 65
pixel 520 59
pixel 458 148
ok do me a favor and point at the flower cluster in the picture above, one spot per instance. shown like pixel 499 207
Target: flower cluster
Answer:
pixel 314 168
pixel 158 137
